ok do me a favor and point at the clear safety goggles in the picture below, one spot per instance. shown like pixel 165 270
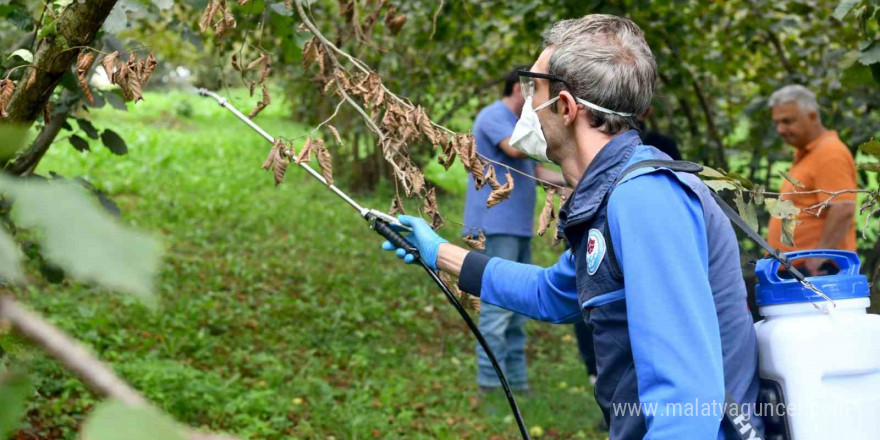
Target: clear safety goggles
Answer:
pixel 527 86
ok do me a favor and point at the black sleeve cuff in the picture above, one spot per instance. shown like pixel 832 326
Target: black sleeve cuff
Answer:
pixel 471 278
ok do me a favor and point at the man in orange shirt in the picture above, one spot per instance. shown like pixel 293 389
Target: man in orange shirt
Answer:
pixel 821 162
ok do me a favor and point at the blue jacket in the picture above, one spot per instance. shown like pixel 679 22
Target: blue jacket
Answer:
pixel 671 339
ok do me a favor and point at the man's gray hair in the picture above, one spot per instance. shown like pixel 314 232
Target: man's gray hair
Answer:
pixel 802 96
pixel 607 62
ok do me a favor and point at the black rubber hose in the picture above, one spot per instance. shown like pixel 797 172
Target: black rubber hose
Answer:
pixel 479 336
pixel 398 240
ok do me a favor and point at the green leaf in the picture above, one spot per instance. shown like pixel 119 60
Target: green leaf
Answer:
pixel 718 185
pixel 746 210
pixel 82 239
pixel 788 177
pixel 10 263
pixel 871 148
pixel 871 54
pixel 23 54
pixel 843 8
pixel 79 143
pixel 14 392
pixel 113 420
pixel 86 126
pixel 788 226
pixel 114 142
pixel 12 138
pixel 163 4
pixel 857 75
pixel 781 209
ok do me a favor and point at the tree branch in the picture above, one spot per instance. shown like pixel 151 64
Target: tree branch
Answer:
pixel 77 26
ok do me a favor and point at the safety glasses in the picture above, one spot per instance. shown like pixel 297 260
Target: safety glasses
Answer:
pixel 527 81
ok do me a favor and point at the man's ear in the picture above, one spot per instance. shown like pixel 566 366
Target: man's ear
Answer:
pixel 814 116
pixel 568 107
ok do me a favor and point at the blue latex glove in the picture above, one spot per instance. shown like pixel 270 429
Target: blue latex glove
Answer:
pixel 423 238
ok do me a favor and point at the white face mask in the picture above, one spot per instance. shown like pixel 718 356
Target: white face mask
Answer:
pixel 528 136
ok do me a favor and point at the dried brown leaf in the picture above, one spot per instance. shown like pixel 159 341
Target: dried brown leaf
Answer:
pixel 548 213
pixel 208 16
pixel 325 160
pixel 426 127
pixel 478 242
pixel 235 64
pixel 469 302
pixel 305 155
pixel 335 134
pixel 31 79
pixel 487 177
pixel 266 70
pixel 396 206
pixel 431 209
pixel 225 26
pixel 109 63
pixel 150 65
pixel 417 179
pixel 83 63
pixel 262 104
pixel 277 161
pixel 310 52
pixel 501 193
pixel 394 22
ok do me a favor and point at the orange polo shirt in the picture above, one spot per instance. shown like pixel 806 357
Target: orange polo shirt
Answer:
pixel 826 164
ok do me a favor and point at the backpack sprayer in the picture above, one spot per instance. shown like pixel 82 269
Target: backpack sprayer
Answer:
pixel 387 226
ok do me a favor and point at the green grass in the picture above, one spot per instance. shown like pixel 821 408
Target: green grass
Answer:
pixel 280 317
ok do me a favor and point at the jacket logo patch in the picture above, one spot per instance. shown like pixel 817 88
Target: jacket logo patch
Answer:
pixel 595 250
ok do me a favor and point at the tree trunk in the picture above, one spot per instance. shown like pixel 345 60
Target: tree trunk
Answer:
pixel 76 26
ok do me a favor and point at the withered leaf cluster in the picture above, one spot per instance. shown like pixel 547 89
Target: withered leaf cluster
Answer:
pixel 316 147
pixel 548 212
pixel 277 161
pixel 130 75
pixel 478 242
pixel 363 29
pixel 468 301
pixel 255 74
pixel 222 26
pixel 7 89
pixel 431 209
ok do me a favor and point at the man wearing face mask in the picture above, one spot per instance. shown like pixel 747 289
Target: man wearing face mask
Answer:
pixel 653 263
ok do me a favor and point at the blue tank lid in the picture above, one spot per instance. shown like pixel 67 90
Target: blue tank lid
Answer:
pixel 773 289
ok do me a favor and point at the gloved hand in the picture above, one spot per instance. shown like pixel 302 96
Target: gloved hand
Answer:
pixel 423 238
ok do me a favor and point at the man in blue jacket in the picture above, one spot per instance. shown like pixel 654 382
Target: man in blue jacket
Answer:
pixel 652 264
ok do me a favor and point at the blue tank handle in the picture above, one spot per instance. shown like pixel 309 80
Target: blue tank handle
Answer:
pixel 767 269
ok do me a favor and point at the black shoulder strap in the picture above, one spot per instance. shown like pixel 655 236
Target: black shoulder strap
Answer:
pixel 738 419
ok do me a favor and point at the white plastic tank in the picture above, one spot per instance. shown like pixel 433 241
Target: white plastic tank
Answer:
pixel 819 363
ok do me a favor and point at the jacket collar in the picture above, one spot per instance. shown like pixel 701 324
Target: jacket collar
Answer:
pixel 597 180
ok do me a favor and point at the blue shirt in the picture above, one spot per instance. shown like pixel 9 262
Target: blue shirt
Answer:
pixel 674 326
pixel 513 216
